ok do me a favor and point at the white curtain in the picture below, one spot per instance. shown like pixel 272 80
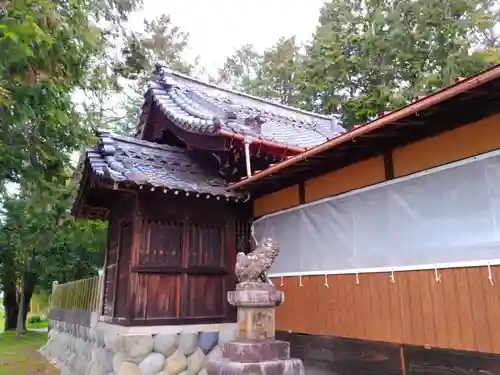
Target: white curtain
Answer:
pixel 449 214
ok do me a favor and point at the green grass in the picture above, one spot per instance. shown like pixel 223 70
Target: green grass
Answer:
pixel 38 325
pixel 19 355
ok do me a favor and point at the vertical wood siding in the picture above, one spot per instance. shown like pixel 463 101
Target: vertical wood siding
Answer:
pixel 461 312
pixel 183 252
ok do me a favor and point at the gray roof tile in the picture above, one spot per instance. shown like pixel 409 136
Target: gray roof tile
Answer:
pixel 124 159
pixel 201 107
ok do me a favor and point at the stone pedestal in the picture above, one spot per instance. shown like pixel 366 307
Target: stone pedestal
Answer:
pixel 255 351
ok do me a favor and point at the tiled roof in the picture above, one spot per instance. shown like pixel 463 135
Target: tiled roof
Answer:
pixel 124 159
pixel 201 107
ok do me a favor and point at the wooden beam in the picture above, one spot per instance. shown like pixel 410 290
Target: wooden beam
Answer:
pixel 302 192
pixel 388 165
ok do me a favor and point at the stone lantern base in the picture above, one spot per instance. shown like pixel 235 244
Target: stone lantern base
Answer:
pixel 255 351
pixel 267 357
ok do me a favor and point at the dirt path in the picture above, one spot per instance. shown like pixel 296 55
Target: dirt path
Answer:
pixel 32 363
pixel 20 356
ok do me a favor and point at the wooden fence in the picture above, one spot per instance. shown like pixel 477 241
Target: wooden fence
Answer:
pixel 80 295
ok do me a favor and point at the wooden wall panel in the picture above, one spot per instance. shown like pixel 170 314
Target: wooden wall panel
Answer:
pixel 327 355
pixel 121 307
pixel 461 143
pixel 156 296
pixel 365 173
pixel 460 312
pixel 205 296
pixel 277 201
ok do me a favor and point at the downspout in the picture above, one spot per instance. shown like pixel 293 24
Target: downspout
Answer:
pixel 247 142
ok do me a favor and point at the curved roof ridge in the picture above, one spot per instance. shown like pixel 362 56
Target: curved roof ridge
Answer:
pixel 138 142
pixel 236 92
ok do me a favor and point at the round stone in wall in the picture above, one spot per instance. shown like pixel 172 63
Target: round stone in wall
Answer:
pixel 215 354
pixel 208 340
pixel 95 369
pixel 195 362
pixel 166 343
pixel 152 364
pixel 118 359
pixel 137 345
pixel 188 343
pixel 128 368
pixel 175 364
pixel 113 341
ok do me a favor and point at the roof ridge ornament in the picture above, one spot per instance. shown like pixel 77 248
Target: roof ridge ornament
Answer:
pixel 255 123
pixel 106 144
pixel 164 76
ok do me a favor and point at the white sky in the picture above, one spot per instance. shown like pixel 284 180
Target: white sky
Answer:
pixel 218 27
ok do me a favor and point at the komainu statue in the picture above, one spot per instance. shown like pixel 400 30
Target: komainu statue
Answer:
pixel 253 267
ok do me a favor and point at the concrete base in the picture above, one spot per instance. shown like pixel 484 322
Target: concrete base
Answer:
pixel 262 357
pixel 255 351
pixel 105 349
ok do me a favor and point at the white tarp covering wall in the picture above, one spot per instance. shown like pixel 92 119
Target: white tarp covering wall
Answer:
pixel 448 214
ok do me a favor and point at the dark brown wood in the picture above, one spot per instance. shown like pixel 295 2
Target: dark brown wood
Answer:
pixel 110 271
pixel 157 124
pixel 182 260
pixel 170 258
pixel 388 166
pixel 124 258
pixel 302 192
pixel 422 361
pixel 205 297
pixel 114 295
pixel 342 356
pixel 333 355
pixel 194 270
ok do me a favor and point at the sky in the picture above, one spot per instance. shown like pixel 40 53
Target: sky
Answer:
pixel 218 27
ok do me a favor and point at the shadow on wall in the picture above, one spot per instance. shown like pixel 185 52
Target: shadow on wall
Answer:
pixel 327 355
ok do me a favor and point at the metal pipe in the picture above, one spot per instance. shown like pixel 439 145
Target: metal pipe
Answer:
pixel 247 143
pixel 426 102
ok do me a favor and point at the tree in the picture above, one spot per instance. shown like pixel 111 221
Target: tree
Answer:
pixel 367 57
pixel 274 74
pixel 49 51
pixel 280 71
pixel 241 70
pixel 160 41
pixel 35 254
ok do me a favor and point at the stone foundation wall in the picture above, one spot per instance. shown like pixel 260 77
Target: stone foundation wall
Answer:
pixel 109 350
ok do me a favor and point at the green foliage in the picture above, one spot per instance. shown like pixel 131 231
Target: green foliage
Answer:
pixel 367 57
pixel 160 41
pixel 75 250
pixel 50 51
pixel 35 318
pixel 370 57
pixel 273 74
